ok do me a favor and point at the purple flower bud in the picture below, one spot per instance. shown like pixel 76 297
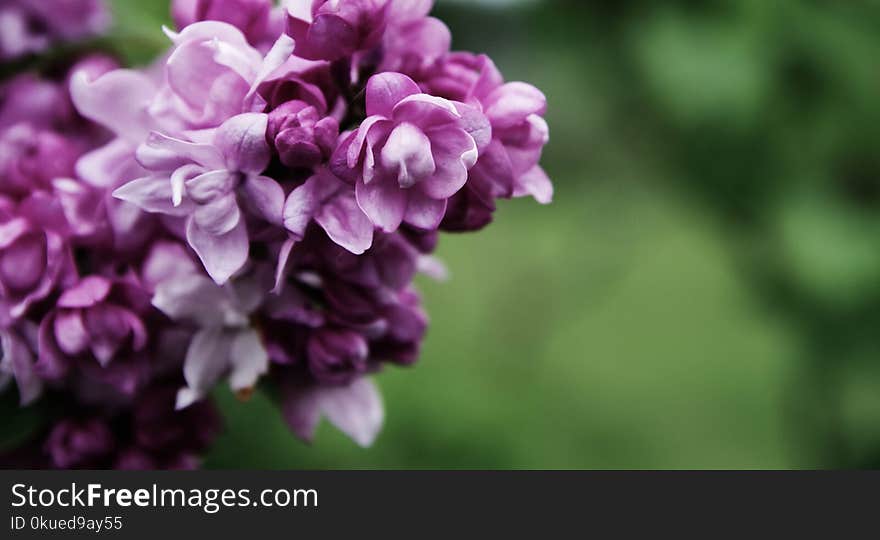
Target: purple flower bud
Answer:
pixel 161 430
pixel 79 444
pixel 337 356
pixel 406 322
pixel 300 135
pixel 249 16
pixel 332 29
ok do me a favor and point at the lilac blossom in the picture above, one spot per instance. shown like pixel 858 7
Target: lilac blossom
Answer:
pixel 204 183
pixel 409 156
pixel 79 444
pixel 224 341
pixel 332 29
pixel 331 203
pixel 251 208
pixel 399 31
pixel 34 254
pixel 252 17
pixel 98 329
pixel 508 166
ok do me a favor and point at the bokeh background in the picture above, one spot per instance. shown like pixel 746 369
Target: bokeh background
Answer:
pixel 705 290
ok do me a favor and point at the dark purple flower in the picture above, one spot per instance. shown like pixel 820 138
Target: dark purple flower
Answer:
pixel 34 256
pixel 30 158
pixel 249 16
pixel 98 325
pixel 406 323
pixel 337 356
pixel 332 29
pixel 160 430
pixel 40 103
pixel 79 444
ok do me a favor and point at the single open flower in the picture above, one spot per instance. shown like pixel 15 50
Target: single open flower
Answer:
pixel 225 343
pixel 409 156
pixel 204 183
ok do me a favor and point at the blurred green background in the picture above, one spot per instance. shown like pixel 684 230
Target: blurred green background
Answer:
pixel 705 290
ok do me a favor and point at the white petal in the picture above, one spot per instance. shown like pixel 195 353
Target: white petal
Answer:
pixel 248 359
pixel 355 409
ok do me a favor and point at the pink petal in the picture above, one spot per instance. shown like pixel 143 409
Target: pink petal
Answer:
pixel 355 409
pixel 475 123
pixel 426 111
pixel 383 202
pixel 513 102
pixel 222 255
pixel 455 152
pixel 242 140
pixel 301 411
pixel 408 151
pixel 206 360
pixel 248 360
pixel 423 212
pixel 118 100
pixel 535 183
pixel 219 216
pixel 266 196
pixel 108 164
pixel 356 146
pixel 209 30
pixel 204 154
pixel 275 58
pixel 345 223
pixel 88 292
pixel 70 333
pixel 152 194
pixel 386 90
pixel 191 297
pixel 410 10
pixel 210 186
pixel 19 357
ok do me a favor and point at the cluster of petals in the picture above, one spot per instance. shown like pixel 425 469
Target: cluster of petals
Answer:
pixel 251 208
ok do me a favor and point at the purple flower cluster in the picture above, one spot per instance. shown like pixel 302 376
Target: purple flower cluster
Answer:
pixel 251 208
pixel 30 26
